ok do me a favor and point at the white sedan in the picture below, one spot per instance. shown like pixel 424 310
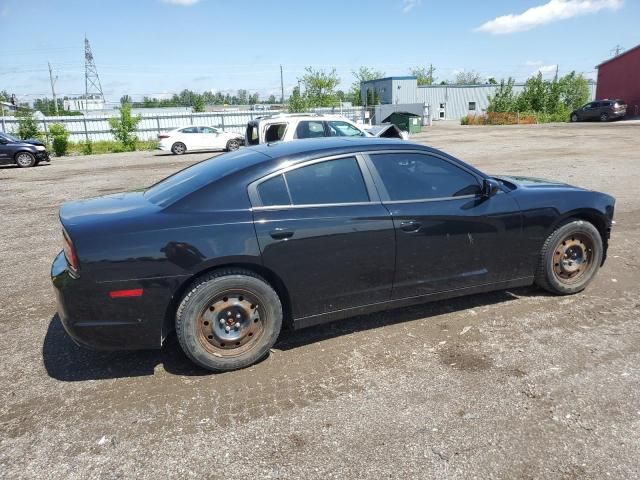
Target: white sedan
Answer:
pixel 185 139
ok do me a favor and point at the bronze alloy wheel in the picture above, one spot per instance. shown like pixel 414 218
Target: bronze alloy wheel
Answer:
pixel 573 258
pixel 230 324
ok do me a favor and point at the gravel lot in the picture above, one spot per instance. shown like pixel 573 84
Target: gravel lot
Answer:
pixel 512 384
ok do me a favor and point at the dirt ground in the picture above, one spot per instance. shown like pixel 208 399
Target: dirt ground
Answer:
pixel 512 384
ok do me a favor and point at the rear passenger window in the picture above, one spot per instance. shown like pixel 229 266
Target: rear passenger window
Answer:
pixel 333 181
pixel 310 130
pixel 412 176
pixel 274 192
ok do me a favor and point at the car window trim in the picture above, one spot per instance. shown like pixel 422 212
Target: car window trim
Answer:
pixel 264 131
pixel 384 194
pixel 372 192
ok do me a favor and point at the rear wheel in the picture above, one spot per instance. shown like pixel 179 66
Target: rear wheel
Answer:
pixel 178 148
pixel 25 159
pixel 604 117
pixel 228 319
pixel 570 258
pixel 232 145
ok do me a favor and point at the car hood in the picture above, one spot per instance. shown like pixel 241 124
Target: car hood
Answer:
pixel 33 141
pixel 533 182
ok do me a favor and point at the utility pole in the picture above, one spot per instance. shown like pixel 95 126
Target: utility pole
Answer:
pixel 53 90
pixel 556 77
pixel 281 86
pixel 430 74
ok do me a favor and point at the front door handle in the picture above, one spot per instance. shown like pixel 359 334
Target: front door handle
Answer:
pixel 281 234
pixel 410 226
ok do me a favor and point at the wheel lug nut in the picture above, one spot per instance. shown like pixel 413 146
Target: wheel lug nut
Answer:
pixel 238 315
pixel 228 313
pixel 222 321
pixel 226 329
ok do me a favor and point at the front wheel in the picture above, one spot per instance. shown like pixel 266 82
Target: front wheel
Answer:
pixel 25 160
pixel 232 145
pixel 570 258
pixel 228 319
pixel 604 117
pixel 574 118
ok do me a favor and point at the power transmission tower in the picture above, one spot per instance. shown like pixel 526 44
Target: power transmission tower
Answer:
pixel 617 50
pixel 53 90
pixel 92 86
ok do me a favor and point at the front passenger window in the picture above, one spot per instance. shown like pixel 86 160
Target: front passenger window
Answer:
pixel 416 176
pixel 310 130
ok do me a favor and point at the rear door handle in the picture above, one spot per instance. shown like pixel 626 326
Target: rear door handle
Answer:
pixel 281 234
pixel 410 226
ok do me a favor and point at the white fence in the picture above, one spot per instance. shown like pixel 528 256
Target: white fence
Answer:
pixel 97 128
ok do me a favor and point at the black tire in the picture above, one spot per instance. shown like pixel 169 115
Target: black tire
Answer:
pixel 25 159
pixel 570 258
pixel 232 145
pixel 574 118
pixel 178 148
pixel 604 117
pixel 201 319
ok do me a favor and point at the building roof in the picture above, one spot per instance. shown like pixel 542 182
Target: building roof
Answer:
pixel 618 56
pixel 406 77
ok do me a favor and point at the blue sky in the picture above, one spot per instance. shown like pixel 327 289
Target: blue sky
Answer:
pixel 158 47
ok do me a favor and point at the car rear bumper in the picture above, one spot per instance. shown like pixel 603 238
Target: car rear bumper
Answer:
pixel 95 320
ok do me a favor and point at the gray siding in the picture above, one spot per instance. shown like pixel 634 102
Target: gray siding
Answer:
pixel 391 90
pixel 456 98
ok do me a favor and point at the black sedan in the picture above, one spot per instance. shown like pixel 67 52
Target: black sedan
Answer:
pixel 24 153
pixel 229 250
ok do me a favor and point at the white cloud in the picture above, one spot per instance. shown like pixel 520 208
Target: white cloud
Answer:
pixel 533 63
pixel 545 70
pixel 183 3
pixel 408 5
pixel 552 11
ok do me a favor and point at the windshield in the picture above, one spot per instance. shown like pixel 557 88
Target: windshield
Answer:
pixel 9 137
pixel 193 178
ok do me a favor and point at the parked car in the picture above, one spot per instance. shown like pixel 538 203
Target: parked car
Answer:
pixel 296 234
pixel 603 110
pixel 24 153
pixel 186 139
pixel 282 128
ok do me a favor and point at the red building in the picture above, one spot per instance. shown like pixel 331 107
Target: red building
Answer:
pixel 619 77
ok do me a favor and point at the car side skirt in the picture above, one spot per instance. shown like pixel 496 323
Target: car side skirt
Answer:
pixel 310 321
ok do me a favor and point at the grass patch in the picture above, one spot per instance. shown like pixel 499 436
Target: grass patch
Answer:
pixel 107 146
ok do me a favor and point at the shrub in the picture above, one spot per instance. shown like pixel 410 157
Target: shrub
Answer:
pixel 123 127
pixel 87 147
pixel 27 126
pixel 107 146
pixel 60 137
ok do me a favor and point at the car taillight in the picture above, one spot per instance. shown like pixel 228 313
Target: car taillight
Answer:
pixel 69 252
pixel 162 135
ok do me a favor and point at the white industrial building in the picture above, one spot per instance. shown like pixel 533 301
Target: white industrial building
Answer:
pixel 446 102
pixel 82 104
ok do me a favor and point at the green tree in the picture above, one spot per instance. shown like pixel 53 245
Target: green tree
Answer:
pixel 243 97
pixel 60 137
pixel 468 78
pixel 363 74
pixel 574 90
pixel 198 103
pixel 125 99
pixel 504 100
pixel 492 81
pixel 319 87
pixel 27 125
pixel 424 75
pixel 122 127
pixel 271 99
pixel 297 102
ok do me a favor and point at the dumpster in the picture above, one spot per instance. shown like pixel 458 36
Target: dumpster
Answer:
pixel 409 122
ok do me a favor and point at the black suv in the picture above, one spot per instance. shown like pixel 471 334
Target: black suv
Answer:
pixel 603 110
pixel 24 153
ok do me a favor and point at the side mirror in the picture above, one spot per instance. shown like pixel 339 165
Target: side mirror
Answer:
pixel 3 141
pixel 490 187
